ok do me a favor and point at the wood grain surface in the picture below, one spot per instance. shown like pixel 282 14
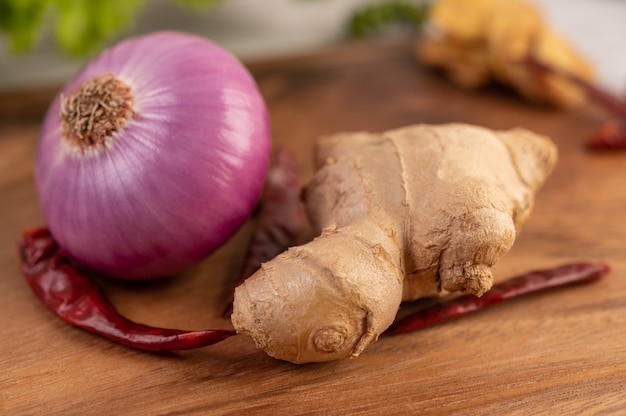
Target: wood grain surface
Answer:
pixel 561 352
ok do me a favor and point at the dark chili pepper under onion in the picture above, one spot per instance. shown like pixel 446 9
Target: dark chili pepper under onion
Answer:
pixel 524 284
pixel 280 221
pixel 73 297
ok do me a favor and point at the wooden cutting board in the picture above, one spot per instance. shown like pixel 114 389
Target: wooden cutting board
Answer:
pixel 561 352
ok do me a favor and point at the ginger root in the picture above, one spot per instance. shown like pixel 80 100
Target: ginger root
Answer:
pixel 413 212
pixel 479 41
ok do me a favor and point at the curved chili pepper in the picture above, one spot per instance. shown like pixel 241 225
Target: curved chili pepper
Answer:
pixel 73 297
pixel 280 221
pixel 521 285
pixel 612 134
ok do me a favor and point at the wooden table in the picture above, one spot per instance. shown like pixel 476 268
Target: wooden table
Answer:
pixel 561 352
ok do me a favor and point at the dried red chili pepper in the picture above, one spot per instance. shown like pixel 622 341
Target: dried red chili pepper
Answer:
pixel 521 285
pixel 72 296
pixel 281 219
pixel 610 135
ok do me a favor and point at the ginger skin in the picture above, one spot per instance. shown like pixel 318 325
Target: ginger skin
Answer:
pixel 404 214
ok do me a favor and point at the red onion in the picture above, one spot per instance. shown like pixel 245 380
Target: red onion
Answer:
pixel 152 156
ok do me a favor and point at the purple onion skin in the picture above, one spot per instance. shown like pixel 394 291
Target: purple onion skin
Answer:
pixel 178 179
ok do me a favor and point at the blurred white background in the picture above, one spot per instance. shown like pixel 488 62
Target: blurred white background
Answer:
pixel 263 29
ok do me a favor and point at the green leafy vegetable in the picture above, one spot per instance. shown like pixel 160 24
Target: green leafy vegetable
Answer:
pixel 197 3
pixel 83 24
pixel 376 17
pixel 80 26
pixel 20 19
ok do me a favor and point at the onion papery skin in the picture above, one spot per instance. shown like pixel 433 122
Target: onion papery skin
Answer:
pixel 178 179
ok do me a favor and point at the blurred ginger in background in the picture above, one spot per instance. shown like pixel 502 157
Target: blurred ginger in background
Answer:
pixel 479 41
